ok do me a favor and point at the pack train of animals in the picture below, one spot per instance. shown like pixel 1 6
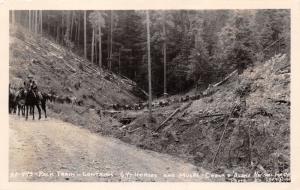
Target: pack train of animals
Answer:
pixel 23 100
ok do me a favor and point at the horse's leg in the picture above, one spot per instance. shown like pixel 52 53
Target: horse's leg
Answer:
pixel 21 110
pixel 15 108
pixel 32 106
pixel 18 110
pixel 10 107
pixel 44 108
pixel 26 114
pixel 39 110
pixel 45 111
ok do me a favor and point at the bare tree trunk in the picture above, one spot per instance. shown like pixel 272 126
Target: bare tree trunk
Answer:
pixel 57 33
pixel 41 21
pixel 84 20
pixel 62 28
pixel 149 67
pixel 93 38
pixel 68 32
pixel 48 25
pixel 165 55
pixel 95 47
pixel 36 22
pixel 78 33
pixel 111 38
pixel 100 47
pixel 32 20
pixel 108 48
pixel 119 71
pixel 29 20
pixel 72 24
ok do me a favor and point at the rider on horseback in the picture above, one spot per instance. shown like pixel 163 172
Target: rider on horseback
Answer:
pixel 31 85
pixel 27 84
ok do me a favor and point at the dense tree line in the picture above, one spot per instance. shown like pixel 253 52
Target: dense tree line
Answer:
pixel 188 47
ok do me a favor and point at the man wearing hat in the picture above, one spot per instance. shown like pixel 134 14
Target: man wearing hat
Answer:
pixel 30 84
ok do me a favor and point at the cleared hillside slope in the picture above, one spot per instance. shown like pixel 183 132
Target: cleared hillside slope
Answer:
pixel 224 131
pixel 58 70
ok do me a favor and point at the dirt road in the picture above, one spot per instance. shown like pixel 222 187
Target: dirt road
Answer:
pixel 53 150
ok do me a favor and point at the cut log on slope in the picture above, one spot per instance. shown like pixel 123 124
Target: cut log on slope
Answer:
pixel 280 101
pixel 81 112
pixel 221 139
pixel 226 78
pixel 69 66
pixel 179 118
pixel 126 79
pixel 173 114
pixel 212 115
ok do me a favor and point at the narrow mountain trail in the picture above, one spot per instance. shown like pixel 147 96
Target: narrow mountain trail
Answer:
pixel 53 150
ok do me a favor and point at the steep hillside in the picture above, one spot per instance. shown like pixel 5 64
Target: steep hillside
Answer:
pixel 242 125
pixel 63 73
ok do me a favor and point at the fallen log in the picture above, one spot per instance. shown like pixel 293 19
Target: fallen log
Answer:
pixel 212 115
pixel 178 119
pixel 221 139
pixel 168 118
pixel 173 114
pixel 284 72
pixel 68 65
pixel 110 112
pixel 226 78
pixel 81 112
pixel 280 101
pixel 184 124
pixel 134 130
pixel 126 120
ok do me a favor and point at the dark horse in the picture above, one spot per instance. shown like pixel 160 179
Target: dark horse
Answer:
pixel 20 101
pixel 32 99
pixel 12 103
